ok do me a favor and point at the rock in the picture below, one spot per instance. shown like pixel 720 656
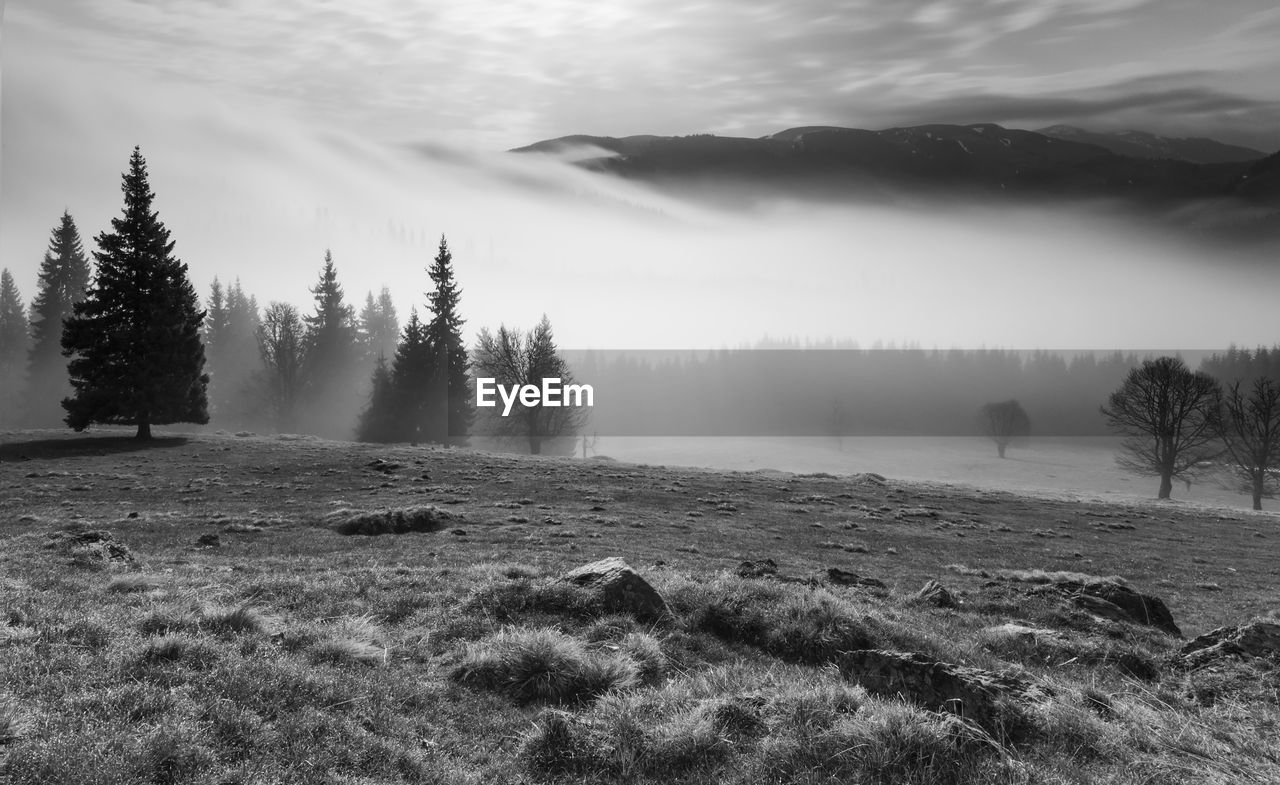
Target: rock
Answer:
pixel 934 593
pixel 845 578
pixel 1115 601
pixel 1021 632
pixel 1139 608
pixel 620 587
pixel 208 541
pixel 758 569
pixel 1259 639
pixel 975 694
pixel 94 548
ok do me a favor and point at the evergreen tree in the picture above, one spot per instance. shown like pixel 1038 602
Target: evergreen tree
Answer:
pixel 13 348
pixel 450 398
pixel 330 357
pixel 137 357
pixel 64 277
pixel 379 422
pixel 231 329
pixel 411 375
pixel 379 326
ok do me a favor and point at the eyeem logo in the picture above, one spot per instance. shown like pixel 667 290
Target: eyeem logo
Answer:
pixel 552 393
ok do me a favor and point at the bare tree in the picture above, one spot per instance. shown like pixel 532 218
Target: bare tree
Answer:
pixel 1169 418
pixel 281 347
pixel 1004 422
pixel 513 359
pixel 1251 435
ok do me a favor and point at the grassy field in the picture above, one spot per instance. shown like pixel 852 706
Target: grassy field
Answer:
pixel 192 611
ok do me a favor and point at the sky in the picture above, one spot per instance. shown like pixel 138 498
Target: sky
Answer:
pixel 276 130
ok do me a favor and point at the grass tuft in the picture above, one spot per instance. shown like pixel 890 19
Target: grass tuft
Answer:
pixel 542 665
pixel 401 521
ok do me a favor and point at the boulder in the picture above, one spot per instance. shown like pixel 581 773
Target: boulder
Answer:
pixel 1259 639
pixel 981 696
pixel 934 593
pixel 1133 607
pixel 620 588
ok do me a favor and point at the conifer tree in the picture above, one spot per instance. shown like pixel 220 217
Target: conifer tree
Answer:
pixel 330 357
pixel 231 328
pixel 379 326
pixel 411 375
pixel 137 356
pixel 64 277
pixel 450 397
pixel 379 421
pixel 13 348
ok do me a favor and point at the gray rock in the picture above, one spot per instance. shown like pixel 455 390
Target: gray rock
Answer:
pixel 934 593
pixel 1259 639
pixel 984 697
pixel 619 587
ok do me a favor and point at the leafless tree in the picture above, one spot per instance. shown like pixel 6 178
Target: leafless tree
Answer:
pixel 515 359
pixel 1251 435
pixel 280 345
pixel 1004 422
pixel 1170 419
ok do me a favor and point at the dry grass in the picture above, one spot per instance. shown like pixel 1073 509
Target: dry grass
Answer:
pixel 296 654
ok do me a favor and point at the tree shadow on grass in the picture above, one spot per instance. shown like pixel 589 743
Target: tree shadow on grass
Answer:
pixel 80 446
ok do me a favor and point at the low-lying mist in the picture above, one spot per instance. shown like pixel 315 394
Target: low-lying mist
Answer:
pixel 250 191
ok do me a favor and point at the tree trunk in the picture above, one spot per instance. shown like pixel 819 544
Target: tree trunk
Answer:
pixel 1000 448
pixel 1166 484
pixel 535 445
pixel 1257 493
pixel 144 430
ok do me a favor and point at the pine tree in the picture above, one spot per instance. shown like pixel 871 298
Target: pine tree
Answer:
pixel 379 422
pixel 330 357
pixel 450 398
pixel 64 277
pixel 411 374
pixel 231 328
pixel 13 348
pixel 379 326
pixel 137 357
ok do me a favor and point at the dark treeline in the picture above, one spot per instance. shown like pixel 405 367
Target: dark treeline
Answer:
pixel 874 392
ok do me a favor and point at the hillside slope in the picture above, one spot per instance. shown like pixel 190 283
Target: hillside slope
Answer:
pixel 195 610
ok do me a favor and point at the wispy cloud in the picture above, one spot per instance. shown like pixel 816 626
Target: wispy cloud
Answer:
pixel 500 75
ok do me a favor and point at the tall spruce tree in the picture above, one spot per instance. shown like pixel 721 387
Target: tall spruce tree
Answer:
pixel 13 348
pixel 231 346
pixel 64 277
pixel 330 358
pixel 411 374
pixel 379 326
pixel 137 356
pixel 449 399
pixel 379 422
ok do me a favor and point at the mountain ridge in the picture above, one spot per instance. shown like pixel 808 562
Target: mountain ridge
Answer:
pixel 1228 190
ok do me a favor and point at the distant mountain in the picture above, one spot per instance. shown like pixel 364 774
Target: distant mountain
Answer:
pixel 1140 144
pixel 1173 177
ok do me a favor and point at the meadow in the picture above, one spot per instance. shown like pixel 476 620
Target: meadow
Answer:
pixel 214 608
